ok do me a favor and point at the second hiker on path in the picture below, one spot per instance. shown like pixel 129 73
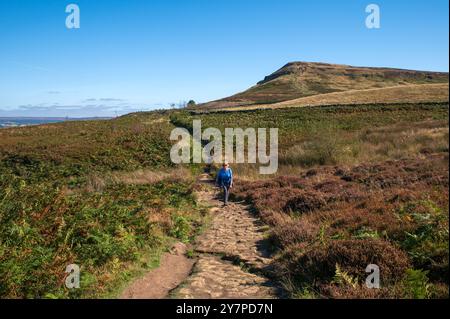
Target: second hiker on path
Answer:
pixel 225 181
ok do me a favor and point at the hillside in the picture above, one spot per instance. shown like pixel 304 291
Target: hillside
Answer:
pixel 414 93
pixel 104 195
pixel 356 185
pixel 101 194
pixel 302 79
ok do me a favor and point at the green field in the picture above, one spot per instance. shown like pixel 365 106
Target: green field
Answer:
pixel 332 135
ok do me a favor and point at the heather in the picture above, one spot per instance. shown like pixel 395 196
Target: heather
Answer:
pixel 329 223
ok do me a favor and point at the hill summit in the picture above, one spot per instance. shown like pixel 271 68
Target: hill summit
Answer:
pixel 302 79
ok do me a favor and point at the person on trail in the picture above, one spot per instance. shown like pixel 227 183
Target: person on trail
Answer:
pixel 225 181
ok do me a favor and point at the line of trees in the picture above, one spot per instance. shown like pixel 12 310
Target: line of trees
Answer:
pixel 183 104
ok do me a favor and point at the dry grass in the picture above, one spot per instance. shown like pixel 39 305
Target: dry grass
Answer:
pixel 398 141
pixel 96 183
pixel 146 176
pixel 302 79
pixel 416 93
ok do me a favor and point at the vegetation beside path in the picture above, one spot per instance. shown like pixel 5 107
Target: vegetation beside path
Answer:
pixel 100 194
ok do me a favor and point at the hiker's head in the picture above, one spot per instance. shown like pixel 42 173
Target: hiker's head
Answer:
pixel 225 165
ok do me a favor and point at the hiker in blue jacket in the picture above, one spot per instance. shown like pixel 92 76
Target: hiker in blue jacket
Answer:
pixel 225 181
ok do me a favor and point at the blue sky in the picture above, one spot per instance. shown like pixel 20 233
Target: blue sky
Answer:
pixel 140 54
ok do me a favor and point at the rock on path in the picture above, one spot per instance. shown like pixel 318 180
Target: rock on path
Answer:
pixel 234 235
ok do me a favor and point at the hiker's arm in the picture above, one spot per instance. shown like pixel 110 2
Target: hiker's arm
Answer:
pixel 231 182
pixel 217 179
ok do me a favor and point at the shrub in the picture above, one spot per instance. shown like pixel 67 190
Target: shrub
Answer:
pixel 317 263
pixel 305 202
pixel 181 228
pixel 417 285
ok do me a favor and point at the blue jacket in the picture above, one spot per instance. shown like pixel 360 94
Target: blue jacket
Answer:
pixel 224 177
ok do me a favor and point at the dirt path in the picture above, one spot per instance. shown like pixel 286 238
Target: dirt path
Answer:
pixel 233 256
pixel 232 259
pixel 157 283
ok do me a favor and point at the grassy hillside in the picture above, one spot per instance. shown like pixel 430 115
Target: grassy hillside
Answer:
pixel 354 181
pixel 100 194
pixel 349 134
pixel 301 79
pixel 357 184
pixel 415 93
pixel 81 147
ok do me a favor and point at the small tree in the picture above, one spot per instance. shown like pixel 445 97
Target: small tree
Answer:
pixel 191 103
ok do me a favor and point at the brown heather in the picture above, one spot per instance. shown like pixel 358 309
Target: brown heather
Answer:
pixel 393 214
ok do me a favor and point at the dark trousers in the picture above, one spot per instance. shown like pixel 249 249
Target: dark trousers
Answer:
pixel 226 193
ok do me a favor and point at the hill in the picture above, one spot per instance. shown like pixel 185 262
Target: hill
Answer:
pixel 104 195
pixel 414 93
pixel 302 79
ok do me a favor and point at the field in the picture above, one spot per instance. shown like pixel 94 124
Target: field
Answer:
pixel 100 194
pixel 330 135
pixel 357 185
pixel 422 93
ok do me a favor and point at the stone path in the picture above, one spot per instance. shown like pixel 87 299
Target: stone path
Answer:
pixel 233 258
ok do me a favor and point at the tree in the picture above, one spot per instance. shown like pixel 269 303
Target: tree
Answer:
pixel 191 103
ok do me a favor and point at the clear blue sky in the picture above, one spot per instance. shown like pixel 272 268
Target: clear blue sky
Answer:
pixel 141 54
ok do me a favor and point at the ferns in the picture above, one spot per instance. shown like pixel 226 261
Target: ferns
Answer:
pixel 343 278
pixel 417 285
